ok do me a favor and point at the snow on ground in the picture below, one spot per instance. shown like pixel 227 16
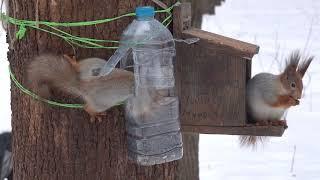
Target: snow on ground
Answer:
pixel 278 27
pixel 5 108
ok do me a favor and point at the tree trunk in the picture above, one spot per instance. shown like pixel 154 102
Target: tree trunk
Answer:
pixel 188 166
pixel 58 143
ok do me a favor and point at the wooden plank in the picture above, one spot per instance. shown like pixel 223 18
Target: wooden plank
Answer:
pixel 211 85
pixel 188 166
pixel 232 46
pixel 160 3
pixel 237 130
pixel 249 64
pixel 182 19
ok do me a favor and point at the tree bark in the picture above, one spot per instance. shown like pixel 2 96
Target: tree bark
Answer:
pixel 188 166
pixel 58 143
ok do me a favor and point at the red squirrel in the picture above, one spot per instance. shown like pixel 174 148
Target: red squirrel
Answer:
pixel 268 96
pixel 81 79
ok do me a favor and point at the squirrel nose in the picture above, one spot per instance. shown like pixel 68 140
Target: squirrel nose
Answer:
pixel 298 95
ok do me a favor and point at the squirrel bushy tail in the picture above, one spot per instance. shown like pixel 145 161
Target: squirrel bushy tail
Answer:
pixel 252 141
pixel 48 70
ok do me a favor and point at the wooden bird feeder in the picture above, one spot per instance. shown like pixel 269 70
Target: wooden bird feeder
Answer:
pixel 211 78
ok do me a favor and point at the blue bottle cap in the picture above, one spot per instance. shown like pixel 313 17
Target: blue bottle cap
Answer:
pixel 145 11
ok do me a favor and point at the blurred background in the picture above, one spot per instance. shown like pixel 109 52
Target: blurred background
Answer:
pixel 278 27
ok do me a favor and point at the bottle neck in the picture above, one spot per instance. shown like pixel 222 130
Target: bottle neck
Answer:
pixel 145 18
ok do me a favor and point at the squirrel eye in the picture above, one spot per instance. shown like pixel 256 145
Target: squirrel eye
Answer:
pixel 293 85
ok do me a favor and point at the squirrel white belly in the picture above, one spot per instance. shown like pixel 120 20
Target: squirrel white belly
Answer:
pixel 261 93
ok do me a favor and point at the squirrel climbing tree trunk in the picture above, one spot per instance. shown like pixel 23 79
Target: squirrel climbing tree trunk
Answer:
pixel 52 143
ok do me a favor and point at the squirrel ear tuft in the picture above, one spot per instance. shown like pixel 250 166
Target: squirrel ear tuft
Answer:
pixel 293 61
pixel 304 66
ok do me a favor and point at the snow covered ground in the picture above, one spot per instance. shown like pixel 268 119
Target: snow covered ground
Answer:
pixel 5 109
pixel 278 27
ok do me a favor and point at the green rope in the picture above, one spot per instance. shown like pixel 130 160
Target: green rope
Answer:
pixel 84 42
pixel 71 39
pixel 33 95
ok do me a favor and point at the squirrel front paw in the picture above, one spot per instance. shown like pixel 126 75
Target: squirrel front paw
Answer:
pixel 285 101
pixel 293 102
pixel 278 123
pixel 260 123
pixel 94 115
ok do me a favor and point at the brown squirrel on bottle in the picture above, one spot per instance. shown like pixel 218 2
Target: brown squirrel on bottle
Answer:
pixel 81 79
pixel 268 96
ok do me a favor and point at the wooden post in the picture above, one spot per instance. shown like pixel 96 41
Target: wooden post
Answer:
pixel 188 166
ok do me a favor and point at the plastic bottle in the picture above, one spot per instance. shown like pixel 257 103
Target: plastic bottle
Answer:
pixel 152 114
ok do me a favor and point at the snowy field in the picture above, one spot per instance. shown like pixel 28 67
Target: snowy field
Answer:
pixel 5 109
pixel 278 27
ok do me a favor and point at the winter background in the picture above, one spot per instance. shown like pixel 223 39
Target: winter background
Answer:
pixel 278 27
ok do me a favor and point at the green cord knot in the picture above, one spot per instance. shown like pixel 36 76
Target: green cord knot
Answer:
pixel 21 32
pixel 84 42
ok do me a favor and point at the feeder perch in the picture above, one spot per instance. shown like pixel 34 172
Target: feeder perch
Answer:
pixel 211 77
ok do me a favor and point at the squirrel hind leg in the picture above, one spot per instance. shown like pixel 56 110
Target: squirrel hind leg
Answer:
pixel 279 123
pixel 252 120
pixel 261 123
pixel 44 91
pixel 256 122
pixel 41 89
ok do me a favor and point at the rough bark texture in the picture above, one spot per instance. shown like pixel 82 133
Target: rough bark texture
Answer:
pixel 58 143
pixel 188 166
